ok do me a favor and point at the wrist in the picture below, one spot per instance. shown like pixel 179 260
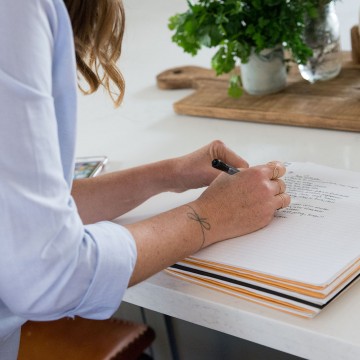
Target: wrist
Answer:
pixel 170 175
pixel 199 216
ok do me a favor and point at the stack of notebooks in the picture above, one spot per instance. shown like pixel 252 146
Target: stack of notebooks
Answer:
pixel 304 259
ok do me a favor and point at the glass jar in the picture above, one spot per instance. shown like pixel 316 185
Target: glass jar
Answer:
pixel 322 35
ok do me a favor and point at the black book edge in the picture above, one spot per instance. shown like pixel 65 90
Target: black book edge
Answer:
pixel 259 288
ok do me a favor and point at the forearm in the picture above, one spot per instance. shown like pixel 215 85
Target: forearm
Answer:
pixel 167 238
pixel 108 196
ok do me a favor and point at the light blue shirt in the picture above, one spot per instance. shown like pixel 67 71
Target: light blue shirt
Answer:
pixel 51 265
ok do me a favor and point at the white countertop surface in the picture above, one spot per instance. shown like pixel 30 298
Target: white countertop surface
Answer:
pixel 145 129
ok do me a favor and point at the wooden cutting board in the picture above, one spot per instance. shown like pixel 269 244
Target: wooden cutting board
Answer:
pixel 332 104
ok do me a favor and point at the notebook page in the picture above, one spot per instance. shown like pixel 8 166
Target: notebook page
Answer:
pixel 313 240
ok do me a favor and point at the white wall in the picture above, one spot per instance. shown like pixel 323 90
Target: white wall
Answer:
pixel 348 13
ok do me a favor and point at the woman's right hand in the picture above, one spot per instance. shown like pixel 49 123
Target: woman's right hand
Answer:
pixel 234 205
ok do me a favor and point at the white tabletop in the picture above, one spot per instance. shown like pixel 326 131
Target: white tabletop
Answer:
pixel 146 129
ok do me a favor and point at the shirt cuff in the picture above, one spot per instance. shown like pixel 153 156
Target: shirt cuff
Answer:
pixel 116 260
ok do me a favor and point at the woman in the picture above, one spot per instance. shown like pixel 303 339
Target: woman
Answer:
pixel 61 256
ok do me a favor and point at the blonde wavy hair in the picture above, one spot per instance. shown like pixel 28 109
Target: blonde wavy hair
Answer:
pixel 98 27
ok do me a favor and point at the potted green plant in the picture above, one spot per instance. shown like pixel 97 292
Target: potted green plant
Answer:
pixel 245 29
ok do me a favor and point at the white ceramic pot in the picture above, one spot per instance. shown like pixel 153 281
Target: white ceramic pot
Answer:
pixel 264 73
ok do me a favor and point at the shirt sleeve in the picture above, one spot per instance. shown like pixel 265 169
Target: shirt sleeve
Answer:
pixel 51 264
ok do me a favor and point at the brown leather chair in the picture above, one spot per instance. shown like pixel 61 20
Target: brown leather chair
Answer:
pixel 84 339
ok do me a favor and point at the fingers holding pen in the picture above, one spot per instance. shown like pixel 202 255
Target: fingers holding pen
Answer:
pixel 276 170
pixel 273 169
pixel 268 178
pixel 282 201
pixel 279 186
pixel 218 150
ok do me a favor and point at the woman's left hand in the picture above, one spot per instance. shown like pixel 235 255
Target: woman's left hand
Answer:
pixel 194 170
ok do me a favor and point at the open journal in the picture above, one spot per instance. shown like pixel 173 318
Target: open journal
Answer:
pixel 304 259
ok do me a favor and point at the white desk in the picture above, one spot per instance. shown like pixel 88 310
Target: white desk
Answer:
pixel 146 129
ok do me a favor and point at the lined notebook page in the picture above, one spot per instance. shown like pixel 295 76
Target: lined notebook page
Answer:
pixel 313 240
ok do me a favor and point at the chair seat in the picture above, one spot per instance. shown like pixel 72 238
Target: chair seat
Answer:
pixel 84 339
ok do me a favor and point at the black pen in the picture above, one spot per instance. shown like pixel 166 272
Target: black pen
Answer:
pixel 220 165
